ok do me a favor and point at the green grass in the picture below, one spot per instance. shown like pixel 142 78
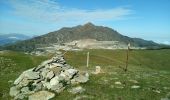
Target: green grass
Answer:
pixel 12 64
pixel 151 68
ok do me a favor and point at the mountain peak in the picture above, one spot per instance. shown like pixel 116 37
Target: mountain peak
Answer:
pixel 89 24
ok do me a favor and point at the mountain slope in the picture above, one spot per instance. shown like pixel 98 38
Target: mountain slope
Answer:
pixel 87 31
pixel 12 38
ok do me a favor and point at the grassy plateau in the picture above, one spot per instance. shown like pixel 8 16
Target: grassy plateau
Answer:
pixel 147 77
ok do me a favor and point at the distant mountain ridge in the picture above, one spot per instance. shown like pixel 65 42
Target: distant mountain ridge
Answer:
pixel 87 31
pixel 12 38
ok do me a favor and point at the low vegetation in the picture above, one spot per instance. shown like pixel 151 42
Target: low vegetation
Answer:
pixel 147 77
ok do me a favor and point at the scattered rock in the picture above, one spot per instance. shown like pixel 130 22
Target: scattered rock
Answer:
pixel 135 87
pixel 118 83
pixel 133 81
pixel 119 87
pixel 53 75
pixel 98 70
pixel 41 95
pixel 165 99
pixel 83 97
pixel 76 90
pixel 157 91
pixel 10 81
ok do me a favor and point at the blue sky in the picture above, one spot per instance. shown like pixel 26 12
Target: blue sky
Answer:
pixel 147 19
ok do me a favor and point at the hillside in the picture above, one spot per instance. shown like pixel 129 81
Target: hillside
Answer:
pixel 148 69
pixel 87 31
pixel 12 38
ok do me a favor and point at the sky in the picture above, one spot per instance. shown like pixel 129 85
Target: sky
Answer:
pixel 147 19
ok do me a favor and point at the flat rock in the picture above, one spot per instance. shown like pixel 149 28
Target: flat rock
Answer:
pixel 76 90
pixel 80 79
pixel 118 83
pixel 135 87
pixel 41 95
pixel 31 75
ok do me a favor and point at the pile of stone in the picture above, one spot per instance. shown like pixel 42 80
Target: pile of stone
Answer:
pixel 51 75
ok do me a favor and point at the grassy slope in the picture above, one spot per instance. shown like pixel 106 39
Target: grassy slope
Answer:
pixel 151 68
pixel 12 64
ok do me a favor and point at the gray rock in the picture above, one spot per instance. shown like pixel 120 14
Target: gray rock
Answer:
pixel 14 91
pixel 57 65
pixel 70 72
pixel 38 86
pixel 80 79
pixel 135 87
pixel 53 74
pixel 41 95
pixel 25 90
pixel 19 79
pixel 19 97
pixel 43 64
pixel 31 75
pixel 24 82
pixel 58 88
pixel 56 70
pixel 46 84
pixel 54 81
pixel 44 72
pixel 50 75
pixel 76 90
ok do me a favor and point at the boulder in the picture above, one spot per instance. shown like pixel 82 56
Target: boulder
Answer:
pixel 41 95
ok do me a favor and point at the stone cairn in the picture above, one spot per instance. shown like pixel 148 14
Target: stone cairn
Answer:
pixel 51 75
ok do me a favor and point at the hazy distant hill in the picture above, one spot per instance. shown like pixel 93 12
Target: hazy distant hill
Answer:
pixel 87 31
pixel 12 38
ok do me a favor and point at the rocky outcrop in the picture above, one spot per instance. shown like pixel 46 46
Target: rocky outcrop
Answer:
pixel 51 75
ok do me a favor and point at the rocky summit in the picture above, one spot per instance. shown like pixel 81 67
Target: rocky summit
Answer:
pixel 44 81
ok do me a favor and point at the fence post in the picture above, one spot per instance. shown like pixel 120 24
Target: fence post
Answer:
pixel 87 59
pixel 127 58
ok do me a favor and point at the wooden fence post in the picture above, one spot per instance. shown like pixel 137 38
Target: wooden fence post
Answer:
pixel 127 58
pixel 87 59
